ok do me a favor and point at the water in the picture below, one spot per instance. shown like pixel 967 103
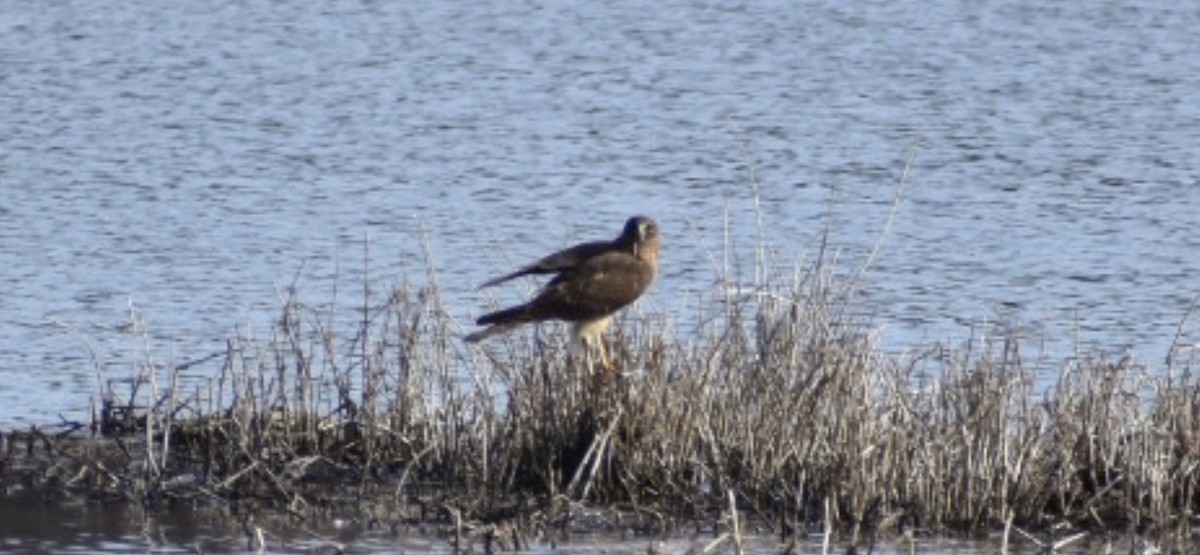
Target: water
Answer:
pixel 33 525
pixel 56 528
pixel 186 161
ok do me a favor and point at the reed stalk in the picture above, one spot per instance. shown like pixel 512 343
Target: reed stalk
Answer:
pixel 770 404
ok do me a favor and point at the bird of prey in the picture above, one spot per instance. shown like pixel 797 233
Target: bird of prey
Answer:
pixel 592 282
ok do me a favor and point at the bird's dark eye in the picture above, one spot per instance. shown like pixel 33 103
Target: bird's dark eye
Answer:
pixel 648 230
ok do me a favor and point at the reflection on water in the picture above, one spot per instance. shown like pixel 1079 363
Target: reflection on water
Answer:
pixel 187 161
pixel 32 524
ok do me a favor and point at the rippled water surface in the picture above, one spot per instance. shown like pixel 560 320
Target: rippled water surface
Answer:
pixel 186 161
pixel 59 529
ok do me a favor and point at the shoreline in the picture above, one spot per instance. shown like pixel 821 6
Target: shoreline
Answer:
pixel 774 405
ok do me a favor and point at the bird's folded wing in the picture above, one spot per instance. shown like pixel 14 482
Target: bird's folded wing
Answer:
pixel 564 260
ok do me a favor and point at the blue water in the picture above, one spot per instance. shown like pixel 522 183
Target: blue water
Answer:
pixel 182 163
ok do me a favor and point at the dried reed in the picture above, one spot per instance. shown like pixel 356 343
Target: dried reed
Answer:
pixel 776 403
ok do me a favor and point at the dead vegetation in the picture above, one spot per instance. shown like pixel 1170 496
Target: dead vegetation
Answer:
pixel 771 400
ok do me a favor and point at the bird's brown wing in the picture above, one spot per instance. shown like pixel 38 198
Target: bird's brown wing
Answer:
pixel 564 260
pixel 600 286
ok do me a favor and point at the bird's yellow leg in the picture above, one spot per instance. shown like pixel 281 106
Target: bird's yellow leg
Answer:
pixel 581 349
pixel 589 357
pixel 605 363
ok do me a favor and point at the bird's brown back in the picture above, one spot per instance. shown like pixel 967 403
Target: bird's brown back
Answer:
pixel 600 286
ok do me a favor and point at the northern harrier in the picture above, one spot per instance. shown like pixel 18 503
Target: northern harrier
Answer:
pixel 594 280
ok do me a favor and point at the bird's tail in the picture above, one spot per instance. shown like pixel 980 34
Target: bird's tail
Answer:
pixel 500 322
pixel 488 332
pixel 515 315
pixel 503 278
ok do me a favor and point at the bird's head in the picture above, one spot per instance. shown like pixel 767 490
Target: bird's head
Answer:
pixel 640 231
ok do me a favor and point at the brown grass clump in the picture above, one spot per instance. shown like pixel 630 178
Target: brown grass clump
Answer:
pixel 773 401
